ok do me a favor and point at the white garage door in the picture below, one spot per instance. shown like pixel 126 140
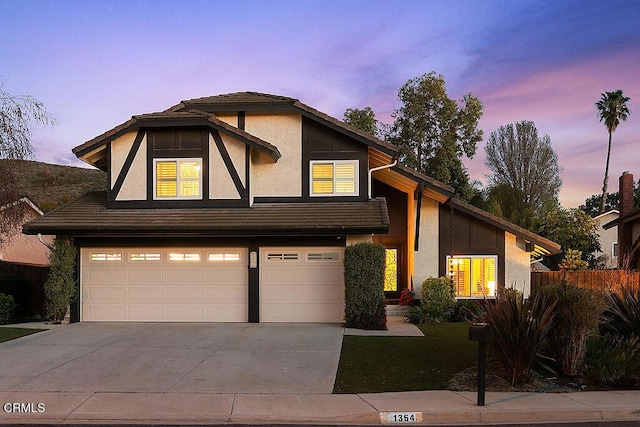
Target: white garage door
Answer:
pixel 302 284
pixel 164 284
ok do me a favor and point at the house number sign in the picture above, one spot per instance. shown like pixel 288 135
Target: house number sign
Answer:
pixel 400 417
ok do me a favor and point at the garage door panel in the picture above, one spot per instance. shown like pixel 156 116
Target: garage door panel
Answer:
pixel 164 284
pixel 145 276
pixel 184 275
pixel 229 294
pixel 106 293
pixel 105 312
pixel 107 276
pixel 143 294
pixel 144 312
pixel 301 284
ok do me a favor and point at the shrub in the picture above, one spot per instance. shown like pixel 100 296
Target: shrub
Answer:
pixel 364 265
pixel 7 309
pixel 438 298
pixel 622 316
pixel 17 287
pixel 417 315
pixel 60 287
pixel 521 328
pixel 466 310
pixel 613 360
pixel 577 312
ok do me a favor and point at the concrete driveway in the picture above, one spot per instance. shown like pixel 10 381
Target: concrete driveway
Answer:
pixel 168 357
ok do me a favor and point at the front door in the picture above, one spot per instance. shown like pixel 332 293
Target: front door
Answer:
pixel 394 281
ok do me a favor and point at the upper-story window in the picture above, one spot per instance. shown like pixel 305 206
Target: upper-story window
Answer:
pixel 334 178
pixel 177 179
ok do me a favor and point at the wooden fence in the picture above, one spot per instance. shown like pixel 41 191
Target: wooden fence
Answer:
pixel 31 299
pixel 592 279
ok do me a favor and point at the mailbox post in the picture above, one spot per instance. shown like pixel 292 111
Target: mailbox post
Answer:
pixel 482 333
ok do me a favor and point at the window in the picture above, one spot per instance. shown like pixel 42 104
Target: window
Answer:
pixel 224 257
pixel 614 250
pixel 334 178
pixel 144 256
pixel 473 276
pixel 106 256
pixel 184 256
pixel 283 256
pixel 323 256
pixel 178 178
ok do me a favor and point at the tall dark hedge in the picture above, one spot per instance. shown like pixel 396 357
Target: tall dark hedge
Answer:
pixel 364 265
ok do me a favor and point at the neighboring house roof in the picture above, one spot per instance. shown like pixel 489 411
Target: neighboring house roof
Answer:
pixel 93 151
pixel 542 246
pixel 610 212
pixel 23 200
pixel 89 216
pixel 632 217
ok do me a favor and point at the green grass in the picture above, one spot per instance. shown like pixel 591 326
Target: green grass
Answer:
pixel 387 364
pixel 7 334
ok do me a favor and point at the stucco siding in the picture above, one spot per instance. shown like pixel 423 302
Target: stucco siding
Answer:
pixel 221 184
pixel 517 264
pixel 120 148
pixel 353 239
pixel 284 177
pixel 134 186
pixel 426 257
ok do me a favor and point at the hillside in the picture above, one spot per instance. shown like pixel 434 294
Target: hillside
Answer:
pixel 50 186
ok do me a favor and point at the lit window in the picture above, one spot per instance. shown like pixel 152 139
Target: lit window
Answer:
pixel 224 257
pixel 106 256
pixel 184 256
pixel 141 256
pixel 473 276
pixel 178 179
pixel 334 178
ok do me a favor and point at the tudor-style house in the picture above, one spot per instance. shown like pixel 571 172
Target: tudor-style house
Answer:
pixel 238 207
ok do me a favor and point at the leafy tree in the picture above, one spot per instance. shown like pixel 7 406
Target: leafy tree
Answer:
pixel 364 119
pixel 434 132
pixel 593 205
pixel 60 287
pixel 612 108
pixel 572 229
pixel 526 175
pixel 17 114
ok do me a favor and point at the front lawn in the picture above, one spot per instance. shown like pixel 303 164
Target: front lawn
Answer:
pixel 387 364
pixel 7 334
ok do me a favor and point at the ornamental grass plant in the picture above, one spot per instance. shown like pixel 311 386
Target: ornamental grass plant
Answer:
pixel 521 329
pixel 577 315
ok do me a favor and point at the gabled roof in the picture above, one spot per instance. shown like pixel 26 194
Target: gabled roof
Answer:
pixel 88 216
pixel 255 101
pixel 542 246
pixel 24 200
pixel 93 152
pixel 632 217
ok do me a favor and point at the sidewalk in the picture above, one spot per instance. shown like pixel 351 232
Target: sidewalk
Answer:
pixel 432 407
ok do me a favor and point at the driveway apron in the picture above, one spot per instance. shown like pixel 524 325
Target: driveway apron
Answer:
pixel 170 357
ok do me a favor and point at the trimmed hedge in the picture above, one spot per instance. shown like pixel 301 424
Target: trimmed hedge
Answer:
pixel 60 288
pixel 364 265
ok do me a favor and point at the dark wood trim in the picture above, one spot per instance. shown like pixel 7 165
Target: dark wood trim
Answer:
pixel 242 191
pixel 177 204
pixel 208 241
pixel 127 163
pixel 108 148
pixel 416 244
pixel 254 285
pixel 242 115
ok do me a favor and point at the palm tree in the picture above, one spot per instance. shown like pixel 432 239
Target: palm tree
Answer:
pixel 612 108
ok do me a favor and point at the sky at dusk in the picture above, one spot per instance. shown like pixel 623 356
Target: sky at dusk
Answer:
pixel 95 64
